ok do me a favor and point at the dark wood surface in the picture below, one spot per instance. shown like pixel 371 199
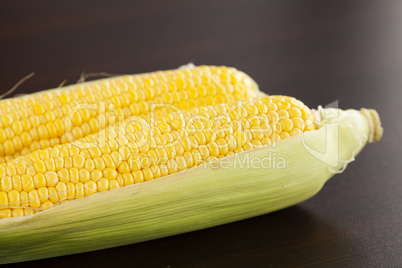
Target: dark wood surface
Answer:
pixel 317 51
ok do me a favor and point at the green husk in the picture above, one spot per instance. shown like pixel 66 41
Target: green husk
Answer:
pixel 201 197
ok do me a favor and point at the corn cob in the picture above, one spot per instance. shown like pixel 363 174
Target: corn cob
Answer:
pixel 205 156
pixel 142 150
pixel 58 116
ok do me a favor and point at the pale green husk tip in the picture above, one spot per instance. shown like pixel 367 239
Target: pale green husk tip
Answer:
pixel 238 187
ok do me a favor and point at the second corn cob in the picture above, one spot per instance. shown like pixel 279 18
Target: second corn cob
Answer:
pixel 58 116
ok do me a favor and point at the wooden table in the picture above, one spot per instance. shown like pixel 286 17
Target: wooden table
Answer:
pixel 317 51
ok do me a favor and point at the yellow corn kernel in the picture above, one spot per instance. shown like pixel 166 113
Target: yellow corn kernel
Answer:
pixel 99 163
pixel 24 198
pixel 138 176
pixel 147 174
pixel 9 147
pixel 295 131
pixel 39 180
pixel 33 197
pixel 68 162
pixel 51 178
pixel 70 191
pixel 90 188
pixel 40 166
pixel 128 179
pixel 59 163
pixel 103 185
pixel 11 170
pixel 113 184
pixel 53 196
pixel 78 161
pixel 84 175
pixel 21 168
pixel 61 189
pixel 110 174
pixel 27 183
pixel 17 182
pixel 43 194
pixel 3 200
pixel 79 190
pixel 63 175
pixel 50 164
pixel 5 213
pixel 96 175
pixel 287 125
pixel 17 212
pixel 28 211
pixel 46 205
pixel 294 112
pixel 73 175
